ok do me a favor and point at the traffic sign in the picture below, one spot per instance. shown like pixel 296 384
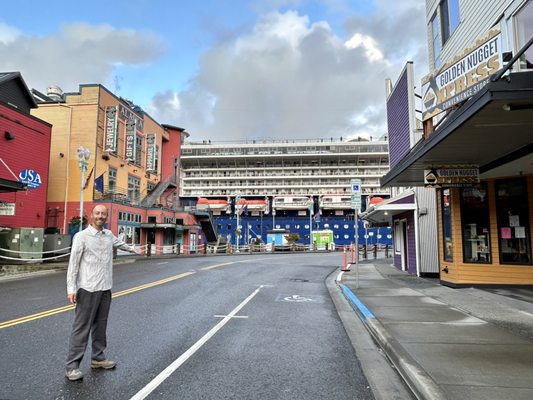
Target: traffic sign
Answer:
pixel 356 193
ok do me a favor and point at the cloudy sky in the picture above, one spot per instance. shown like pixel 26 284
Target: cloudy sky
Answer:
pixel 225 70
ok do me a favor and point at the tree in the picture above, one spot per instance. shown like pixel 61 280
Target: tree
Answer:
pixel 292 238
pixel 75 221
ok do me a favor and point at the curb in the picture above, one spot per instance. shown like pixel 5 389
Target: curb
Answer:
pixel 418 380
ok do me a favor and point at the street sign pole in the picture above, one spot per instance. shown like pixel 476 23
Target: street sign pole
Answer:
pixel 356 223
pixel 356 205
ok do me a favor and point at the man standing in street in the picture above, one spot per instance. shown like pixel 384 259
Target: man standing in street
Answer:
pixel 89 282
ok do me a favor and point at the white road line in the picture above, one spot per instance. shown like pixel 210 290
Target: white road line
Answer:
pixel 235 316
pixel 228 263
pixel 164 262
pixel 145 391
pixel 339 277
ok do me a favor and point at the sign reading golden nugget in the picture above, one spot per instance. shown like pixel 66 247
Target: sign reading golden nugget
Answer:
pixel 462 77
pixel 451 176
pixel 111 121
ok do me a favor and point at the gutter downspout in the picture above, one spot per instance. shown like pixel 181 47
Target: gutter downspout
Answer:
pixel 65 231
pixel 417 234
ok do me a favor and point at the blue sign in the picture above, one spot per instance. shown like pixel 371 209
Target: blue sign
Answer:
pixel 356 188
pixel 31 178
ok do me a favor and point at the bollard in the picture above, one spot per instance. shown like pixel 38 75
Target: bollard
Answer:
pixel 327 246
pixel 178 245
pixel 364 252
pixel 148 249
pixel 386 251
pixel 375 251
pixel 345 264
pixel 352 253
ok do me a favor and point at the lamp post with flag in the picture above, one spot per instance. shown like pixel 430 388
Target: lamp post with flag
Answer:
pixel 238 228
pixel 83 162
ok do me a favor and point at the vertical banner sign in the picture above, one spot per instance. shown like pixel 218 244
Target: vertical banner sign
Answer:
pixel 150 152
pixel 111 123
pixel 129 140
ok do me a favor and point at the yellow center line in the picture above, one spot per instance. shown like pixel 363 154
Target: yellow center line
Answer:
pixel 58 310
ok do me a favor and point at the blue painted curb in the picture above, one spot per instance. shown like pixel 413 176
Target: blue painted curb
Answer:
pixel 356 303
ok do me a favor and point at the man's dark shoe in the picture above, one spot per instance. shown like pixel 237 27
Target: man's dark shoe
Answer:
pixel 105 364
pixel 74 374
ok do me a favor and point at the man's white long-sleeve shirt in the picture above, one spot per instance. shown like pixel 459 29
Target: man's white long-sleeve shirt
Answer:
pixel 91 260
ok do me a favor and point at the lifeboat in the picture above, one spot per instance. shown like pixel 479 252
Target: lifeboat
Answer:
pixel 375 200
pixel 291 202
pixel 335 202
pixel 215 205
pixel 253 205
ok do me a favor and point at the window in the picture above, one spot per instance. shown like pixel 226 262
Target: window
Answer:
pixel 168 237
pixel 524 31
pixel 397 237
pixel 138 149
pixel 513 221
pixel 112 180
pixel 436 40
pixel 447 224
pixel 475 224
pixel 134 188
pixel 449 13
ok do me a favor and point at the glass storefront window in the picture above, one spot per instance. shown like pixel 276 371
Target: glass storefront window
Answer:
pixel 513 221
pixel 524 32
pixel 447 224
pixel 168 238
pixel 475 224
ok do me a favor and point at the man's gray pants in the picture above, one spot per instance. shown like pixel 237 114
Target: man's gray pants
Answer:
pixel 92 310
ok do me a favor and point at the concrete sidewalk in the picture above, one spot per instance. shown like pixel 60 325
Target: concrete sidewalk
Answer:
pixel 447 343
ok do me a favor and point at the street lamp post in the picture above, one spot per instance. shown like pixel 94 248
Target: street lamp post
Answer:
pixel 311 225
pixel 83 162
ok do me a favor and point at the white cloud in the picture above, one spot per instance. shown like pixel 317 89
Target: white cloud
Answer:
pixel 7 33
pixel 79 53
pixel 288 78
pixel 372 50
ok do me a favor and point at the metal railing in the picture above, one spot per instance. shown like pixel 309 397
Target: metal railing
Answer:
pixel 118 195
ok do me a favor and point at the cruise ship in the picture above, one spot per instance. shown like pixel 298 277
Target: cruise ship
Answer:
pixel 296 185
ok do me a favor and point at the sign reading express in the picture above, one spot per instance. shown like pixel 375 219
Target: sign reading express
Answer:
pixel 463 77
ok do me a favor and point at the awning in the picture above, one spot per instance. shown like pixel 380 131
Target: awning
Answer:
pixel 383 212
pixel 7 185
pixel 158 226
pixel 493 129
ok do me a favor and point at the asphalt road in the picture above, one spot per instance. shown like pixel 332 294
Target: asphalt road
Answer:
pixel 283 338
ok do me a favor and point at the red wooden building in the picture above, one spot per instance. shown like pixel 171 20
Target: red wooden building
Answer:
pixel 24 156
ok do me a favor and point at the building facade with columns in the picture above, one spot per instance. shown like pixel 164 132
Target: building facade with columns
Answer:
pixel 126 169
